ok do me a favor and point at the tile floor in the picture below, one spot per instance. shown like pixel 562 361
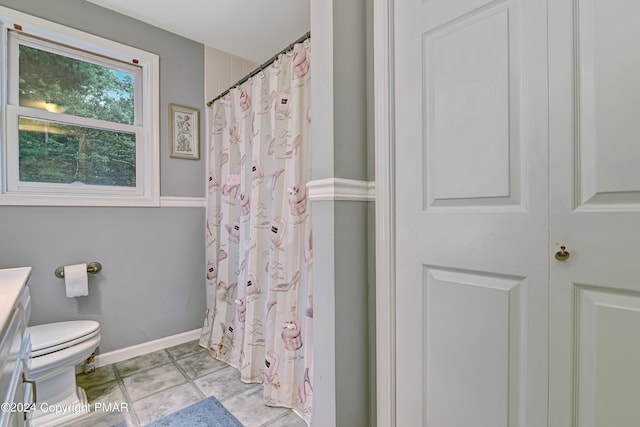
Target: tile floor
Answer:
pixel 159 383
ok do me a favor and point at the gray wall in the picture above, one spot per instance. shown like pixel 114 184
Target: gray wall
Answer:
pixel 152 284
pixel 344 293
pixel 223 70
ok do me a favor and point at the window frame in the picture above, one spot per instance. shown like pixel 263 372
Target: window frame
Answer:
pixel 88 47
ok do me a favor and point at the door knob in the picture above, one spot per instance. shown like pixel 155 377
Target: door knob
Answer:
pixel 562 254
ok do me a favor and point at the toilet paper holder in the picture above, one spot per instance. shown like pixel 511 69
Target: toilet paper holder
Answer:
pixel 92 267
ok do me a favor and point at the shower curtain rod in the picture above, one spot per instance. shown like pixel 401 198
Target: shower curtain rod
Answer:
pixel 307 35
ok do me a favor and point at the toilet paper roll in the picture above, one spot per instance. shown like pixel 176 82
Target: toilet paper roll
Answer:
pixel 76 280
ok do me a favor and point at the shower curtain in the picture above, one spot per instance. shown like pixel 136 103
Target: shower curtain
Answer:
pixel 259 315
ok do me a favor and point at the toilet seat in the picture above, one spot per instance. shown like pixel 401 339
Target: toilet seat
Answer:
pixel 52 337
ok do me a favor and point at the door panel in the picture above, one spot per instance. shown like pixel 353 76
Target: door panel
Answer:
pixel 468 136
pixel 472 324
pixel 471 213
pixel 607 88
pixel 607 350
pixel 594 212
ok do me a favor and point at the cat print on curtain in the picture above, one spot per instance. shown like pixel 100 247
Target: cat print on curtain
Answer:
pixel 259 315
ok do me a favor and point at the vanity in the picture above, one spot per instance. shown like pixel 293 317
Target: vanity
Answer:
pixel 17 394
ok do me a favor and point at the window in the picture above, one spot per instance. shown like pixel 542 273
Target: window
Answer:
pixel 80 116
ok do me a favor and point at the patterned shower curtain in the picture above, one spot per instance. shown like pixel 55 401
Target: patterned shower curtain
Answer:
pixel 259 315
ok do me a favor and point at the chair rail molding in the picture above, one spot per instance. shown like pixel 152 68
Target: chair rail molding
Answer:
pixel 341 189
pixel 182 202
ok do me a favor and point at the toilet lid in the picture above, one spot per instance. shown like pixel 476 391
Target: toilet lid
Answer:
pixel 56 336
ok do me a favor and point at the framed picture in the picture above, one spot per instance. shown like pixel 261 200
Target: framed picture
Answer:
pixel 184 130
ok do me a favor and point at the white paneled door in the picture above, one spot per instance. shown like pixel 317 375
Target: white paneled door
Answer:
pixel 516 133
pixel 472 213
pixel 595 212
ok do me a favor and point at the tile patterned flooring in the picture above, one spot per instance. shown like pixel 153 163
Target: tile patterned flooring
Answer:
pixel 159 383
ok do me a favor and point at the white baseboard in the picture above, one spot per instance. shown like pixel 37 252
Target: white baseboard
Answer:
pixel 145 347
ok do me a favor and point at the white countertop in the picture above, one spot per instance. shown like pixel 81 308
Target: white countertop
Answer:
pixel 12 280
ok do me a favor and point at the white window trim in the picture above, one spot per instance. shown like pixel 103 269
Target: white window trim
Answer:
pixel 148 151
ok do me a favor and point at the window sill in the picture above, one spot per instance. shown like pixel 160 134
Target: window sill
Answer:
pixel 81 200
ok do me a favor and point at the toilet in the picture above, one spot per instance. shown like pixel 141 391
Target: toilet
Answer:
pixel 56 349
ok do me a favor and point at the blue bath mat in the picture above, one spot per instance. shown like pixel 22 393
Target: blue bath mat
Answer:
pixel 206 413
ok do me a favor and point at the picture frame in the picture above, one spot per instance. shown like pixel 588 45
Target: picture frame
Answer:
pixel 184 132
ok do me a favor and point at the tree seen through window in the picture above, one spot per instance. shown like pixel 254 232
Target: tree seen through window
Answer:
pixel 54 152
